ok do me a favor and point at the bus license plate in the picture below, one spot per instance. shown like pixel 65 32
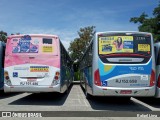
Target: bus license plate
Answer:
pixel 125 91
pixel 28 83
pixel 31 79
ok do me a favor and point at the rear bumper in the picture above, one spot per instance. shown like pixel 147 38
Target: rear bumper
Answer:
pixel 113 91
pixel 32 89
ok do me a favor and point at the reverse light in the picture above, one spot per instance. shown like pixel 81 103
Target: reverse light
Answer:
pixel 97 80
pixel 152 78
pixel 158 84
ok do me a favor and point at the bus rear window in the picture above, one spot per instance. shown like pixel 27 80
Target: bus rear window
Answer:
pixel 124 44
pixel 47 41
pixel 137 47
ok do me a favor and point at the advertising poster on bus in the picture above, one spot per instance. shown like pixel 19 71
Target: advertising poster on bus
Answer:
pixel 115 44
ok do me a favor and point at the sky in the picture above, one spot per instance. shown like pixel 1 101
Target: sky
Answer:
pixel 65 17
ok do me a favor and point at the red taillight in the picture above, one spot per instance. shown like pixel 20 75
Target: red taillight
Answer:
pixel 152 79
pixel 56 77
pixel 158 84
pixel 57 74
pixel 97 80
pixel 7 77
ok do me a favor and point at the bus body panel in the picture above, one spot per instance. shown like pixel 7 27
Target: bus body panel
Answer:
pixel 34 71
pixel 157 56
pixel 125 75
pixel 2 49
pixel 141 89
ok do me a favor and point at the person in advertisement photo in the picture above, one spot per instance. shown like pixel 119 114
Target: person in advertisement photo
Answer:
pixel 118 43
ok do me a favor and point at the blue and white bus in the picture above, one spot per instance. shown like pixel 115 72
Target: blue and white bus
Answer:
pixel 119 63
pixel 157 57
pixel 2 52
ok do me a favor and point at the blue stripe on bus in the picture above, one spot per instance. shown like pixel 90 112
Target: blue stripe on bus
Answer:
pixel 116 70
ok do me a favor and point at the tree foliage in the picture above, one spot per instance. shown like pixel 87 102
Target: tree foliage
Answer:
pixel 3 36
pixel 80 44
pixel 149 24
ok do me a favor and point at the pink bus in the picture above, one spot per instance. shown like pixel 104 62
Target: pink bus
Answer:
pixel 36 63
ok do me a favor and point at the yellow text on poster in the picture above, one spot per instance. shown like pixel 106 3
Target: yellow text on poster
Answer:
pixel 143 47
pixel 39 69
pixel 47 49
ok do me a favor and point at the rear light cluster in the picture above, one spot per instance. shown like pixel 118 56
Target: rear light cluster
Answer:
pixel 56 77
pixel 6 78
pixel 152 78
pixel 97 80
pixel 158 84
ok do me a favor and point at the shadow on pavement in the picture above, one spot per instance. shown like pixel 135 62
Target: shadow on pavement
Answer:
pixel 154 102
pixel 56 99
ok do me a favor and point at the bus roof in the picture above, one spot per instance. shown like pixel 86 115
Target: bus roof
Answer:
pixel 136 32
pixel 33 35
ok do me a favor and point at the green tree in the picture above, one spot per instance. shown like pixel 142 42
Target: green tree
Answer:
pixel 3 36
pixel 149 24
pixel 79 45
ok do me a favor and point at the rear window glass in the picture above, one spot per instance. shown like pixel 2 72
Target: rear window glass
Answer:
pixel 47 41
pixel 125 44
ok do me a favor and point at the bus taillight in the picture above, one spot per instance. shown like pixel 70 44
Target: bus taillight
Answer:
pixel 6 75
pixel 152 78
pixel 97 80
pixel 7 79
pixel 56 77
pixel 158 84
